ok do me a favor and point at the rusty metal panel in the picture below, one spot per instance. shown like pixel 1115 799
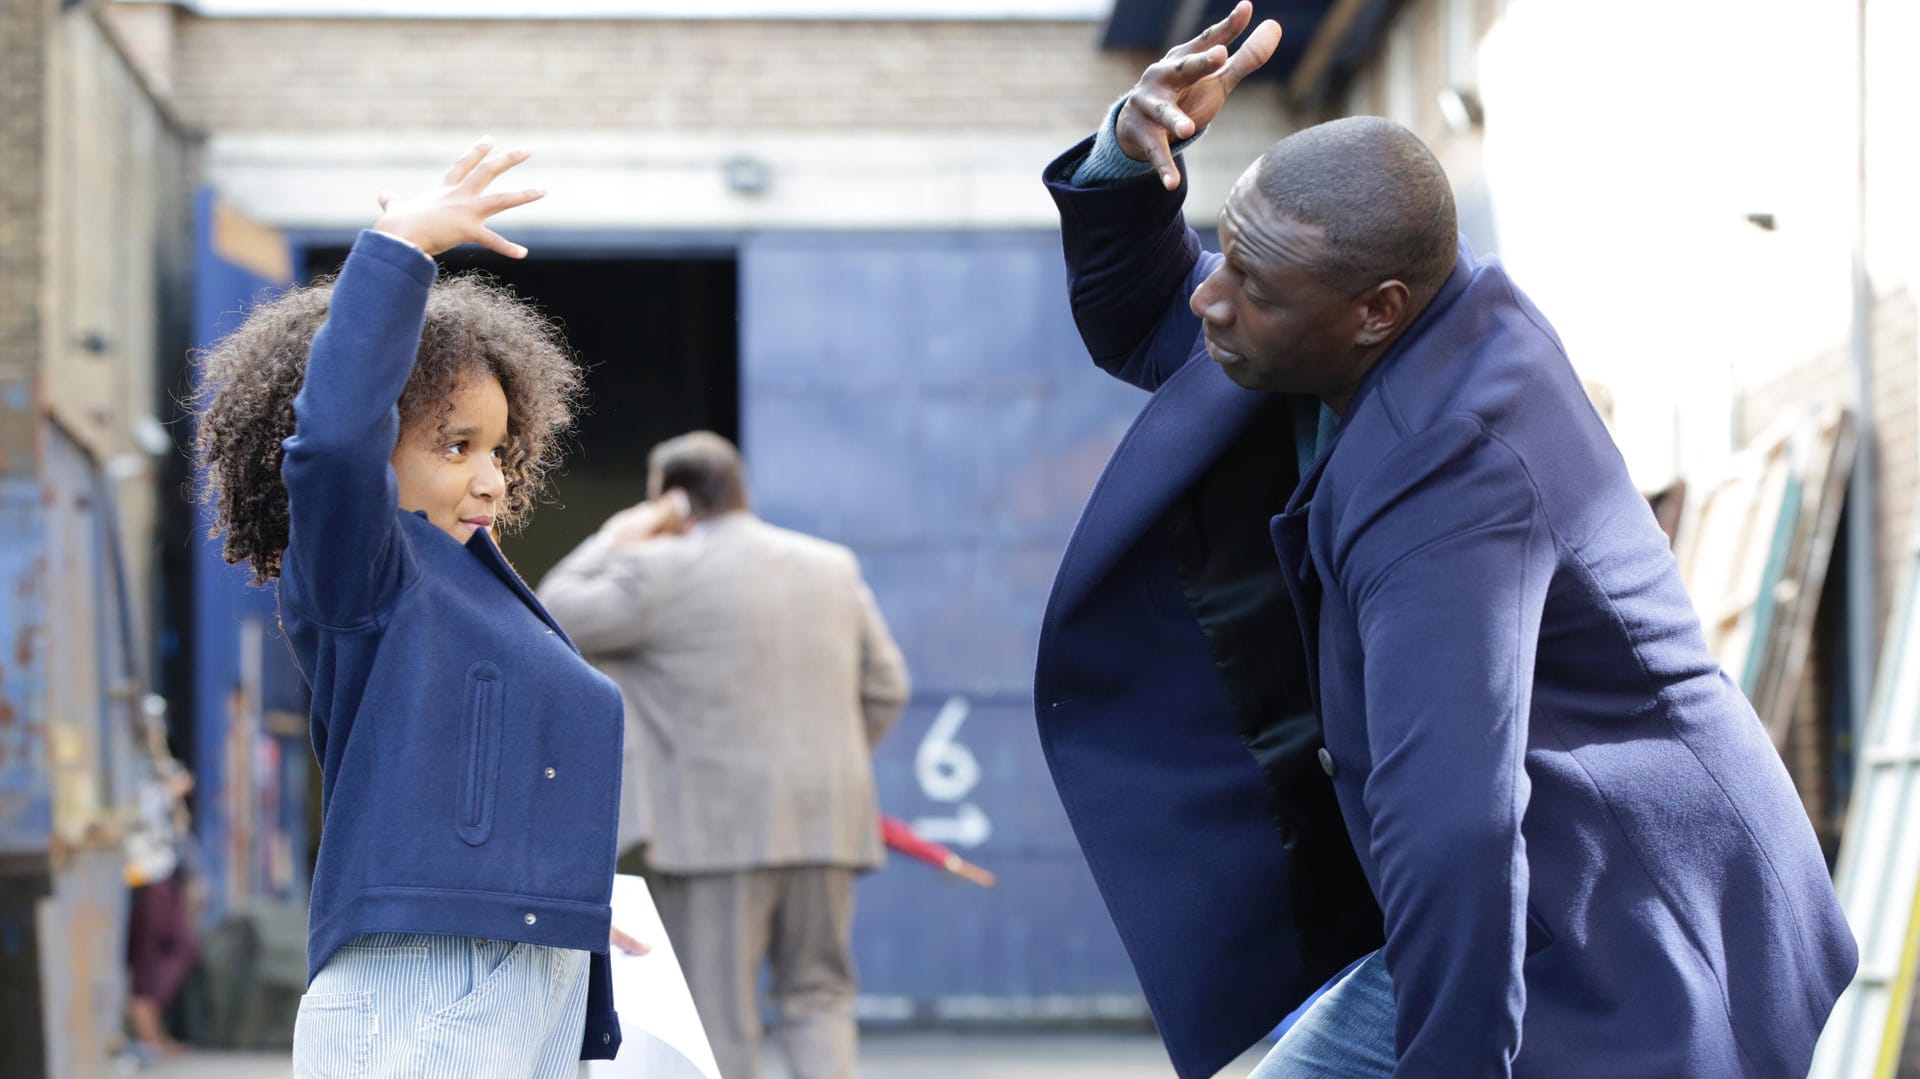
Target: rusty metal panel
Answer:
pixel 26 818
pixel 83 953
pixel 75 678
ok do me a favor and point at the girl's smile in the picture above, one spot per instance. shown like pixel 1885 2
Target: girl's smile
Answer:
pixel 451 465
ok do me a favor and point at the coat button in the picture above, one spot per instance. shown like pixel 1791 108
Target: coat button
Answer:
pixel 550 771
pixel 1326 761
pixel 606 1039
pixel 531 918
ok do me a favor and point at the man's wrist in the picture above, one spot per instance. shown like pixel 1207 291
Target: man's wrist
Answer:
pixel 1107 163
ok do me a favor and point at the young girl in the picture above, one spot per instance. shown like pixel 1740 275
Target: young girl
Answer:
pixel 361 440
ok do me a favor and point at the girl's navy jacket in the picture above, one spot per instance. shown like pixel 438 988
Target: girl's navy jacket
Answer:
pixel 470 759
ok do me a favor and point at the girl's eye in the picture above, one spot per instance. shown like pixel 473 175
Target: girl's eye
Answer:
pixel 456 448
pixel 499 453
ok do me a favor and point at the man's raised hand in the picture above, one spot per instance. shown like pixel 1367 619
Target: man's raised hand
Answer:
pixel 1183 91
pixel 456 212
pixel 669 515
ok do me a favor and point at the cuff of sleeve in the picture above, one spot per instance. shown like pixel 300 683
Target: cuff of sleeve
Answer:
pixel 601 1040
pixel 1106 163
pixel 398 254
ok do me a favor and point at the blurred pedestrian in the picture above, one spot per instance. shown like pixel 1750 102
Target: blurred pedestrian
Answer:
pixel 759 675
pixel 1458 653
pixel 362 439
pixel 163 938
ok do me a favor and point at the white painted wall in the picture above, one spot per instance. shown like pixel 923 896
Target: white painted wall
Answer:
pixel 1625 144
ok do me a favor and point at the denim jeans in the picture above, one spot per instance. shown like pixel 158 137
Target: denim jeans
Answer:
pixel 405 1004
pixel 1347 1032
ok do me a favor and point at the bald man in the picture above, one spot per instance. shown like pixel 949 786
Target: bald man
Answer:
pixel 1368 666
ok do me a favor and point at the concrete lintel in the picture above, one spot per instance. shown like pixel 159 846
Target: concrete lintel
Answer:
pixel 668 182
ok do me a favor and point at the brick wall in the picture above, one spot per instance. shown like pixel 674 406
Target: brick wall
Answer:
pixel 1895 452
pixel 1897 439
pixel 1895 458
pixel 249 75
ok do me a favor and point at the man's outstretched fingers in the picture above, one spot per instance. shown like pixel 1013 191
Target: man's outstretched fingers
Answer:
pixel 1226 29
pixel 1161 154
pixel 1191 69
pixel 467 161
pixel 1163 112
pixel 1255 51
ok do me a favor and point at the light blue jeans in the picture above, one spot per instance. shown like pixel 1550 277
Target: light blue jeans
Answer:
pixel 1347 1032
pixel 389 1005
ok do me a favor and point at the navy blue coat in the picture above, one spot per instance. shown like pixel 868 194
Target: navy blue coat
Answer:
pixel 1590 859
pixel 469 757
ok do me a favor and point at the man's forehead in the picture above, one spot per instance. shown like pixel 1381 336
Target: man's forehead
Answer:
pixel 1249 221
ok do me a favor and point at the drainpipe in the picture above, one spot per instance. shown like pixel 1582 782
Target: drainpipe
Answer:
pixel 1863 591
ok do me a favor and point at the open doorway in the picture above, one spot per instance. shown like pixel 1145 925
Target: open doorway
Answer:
pixel 659 339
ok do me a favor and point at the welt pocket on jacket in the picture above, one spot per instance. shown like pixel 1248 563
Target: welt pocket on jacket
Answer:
pixel 478 756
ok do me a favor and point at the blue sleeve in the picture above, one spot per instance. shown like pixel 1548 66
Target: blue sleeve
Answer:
pixel 1447 573
pixel 341 493
pixel 1132 262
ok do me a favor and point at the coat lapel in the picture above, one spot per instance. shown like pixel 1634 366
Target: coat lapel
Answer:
pixel 1291 544
pixel 1291 539
pixel 481 544
pixel 1183 427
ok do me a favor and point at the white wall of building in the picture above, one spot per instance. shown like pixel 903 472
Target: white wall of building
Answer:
pixel 1626 143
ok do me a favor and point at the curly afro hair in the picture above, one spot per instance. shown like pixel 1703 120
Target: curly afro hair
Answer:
pixel 473 325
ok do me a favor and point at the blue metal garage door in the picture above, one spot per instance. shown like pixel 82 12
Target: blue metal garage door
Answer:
pixel 924 399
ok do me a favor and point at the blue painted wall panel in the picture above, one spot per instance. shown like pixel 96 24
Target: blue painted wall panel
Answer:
pixel 26 814
pixel 926 400
pixel 251 836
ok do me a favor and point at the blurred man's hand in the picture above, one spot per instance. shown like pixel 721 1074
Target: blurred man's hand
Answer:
pixel 670 514
pixel 625 943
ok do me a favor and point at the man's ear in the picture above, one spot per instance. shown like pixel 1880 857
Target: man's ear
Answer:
pixel 1385 310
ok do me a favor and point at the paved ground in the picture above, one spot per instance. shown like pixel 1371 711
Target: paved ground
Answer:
pixel 882 1056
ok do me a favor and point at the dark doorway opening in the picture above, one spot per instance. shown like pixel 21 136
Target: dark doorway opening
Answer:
pixel 659 339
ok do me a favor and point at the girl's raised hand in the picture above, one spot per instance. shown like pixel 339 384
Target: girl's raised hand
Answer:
pixel 456 212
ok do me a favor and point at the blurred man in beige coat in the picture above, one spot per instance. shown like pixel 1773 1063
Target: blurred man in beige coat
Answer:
pixel 758 676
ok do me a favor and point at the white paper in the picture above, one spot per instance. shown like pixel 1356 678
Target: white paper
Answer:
pixel 660 1032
